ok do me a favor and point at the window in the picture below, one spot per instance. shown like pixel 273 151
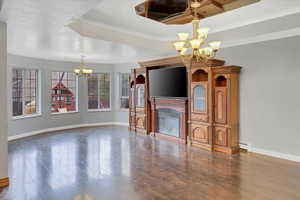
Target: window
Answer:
pixel 25 93
pixel 64 92
pixel 124 93
pixel 99 91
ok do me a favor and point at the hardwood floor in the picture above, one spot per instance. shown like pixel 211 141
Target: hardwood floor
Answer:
pixel 110 163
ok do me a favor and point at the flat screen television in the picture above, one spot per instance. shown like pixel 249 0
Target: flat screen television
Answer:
pixel 168 82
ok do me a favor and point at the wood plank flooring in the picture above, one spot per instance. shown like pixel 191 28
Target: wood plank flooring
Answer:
pixel 111 163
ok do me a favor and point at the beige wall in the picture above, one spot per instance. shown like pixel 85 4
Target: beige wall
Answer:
pixel 3 104
pixel 270 94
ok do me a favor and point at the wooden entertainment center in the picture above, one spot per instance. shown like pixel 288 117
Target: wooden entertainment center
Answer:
pixel 208 118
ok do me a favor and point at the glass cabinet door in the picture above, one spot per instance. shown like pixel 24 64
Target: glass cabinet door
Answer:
pixel 140 96
pixel 132 97
pixel 199 98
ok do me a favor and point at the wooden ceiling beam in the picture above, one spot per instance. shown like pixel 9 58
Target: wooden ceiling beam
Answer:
pixel 217 4
pixel 208 8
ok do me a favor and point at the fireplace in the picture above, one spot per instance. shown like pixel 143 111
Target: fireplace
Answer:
pixel 168 122
pixel 169 118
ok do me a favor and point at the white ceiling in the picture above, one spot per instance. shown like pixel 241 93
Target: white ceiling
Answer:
pixel 115 34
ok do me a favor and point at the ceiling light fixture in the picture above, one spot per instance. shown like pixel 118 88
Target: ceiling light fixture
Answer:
pixel 82 70
pixel 194 44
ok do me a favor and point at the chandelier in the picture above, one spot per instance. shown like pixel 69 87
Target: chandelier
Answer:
pixel 82 70
pixel 195 44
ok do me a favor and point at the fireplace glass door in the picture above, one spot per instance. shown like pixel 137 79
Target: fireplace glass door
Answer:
pixel 168 122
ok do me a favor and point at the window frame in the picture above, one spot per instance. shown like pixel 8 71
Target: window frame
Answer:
pixel 120 91
pixel 110 94
pixel 38 97
pixel 76 98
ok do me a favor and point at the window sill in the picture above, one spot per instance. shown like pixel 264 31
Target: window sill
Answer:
pixel 64 113
pixel 27 116
pixel 124 110
pixel 100 110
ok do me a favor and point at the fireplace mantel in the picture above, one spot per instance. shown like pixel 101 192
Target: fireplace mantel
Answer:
pixel 177 104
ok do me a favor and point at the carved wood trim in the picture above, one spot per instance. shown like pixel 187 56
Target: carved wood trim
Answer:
pixel 221 104
pixel 4 182
pixel 221 136
pixel 164 62
pixel 226 69
pixel 200 134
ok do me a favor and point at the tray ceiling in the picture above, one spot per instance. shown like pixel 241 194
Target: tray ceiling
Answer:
pixel 115 34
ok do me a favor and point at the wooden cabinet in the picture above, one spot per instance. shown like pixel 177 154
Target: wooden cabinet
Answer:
pixel 132 102
pixel 138 103
pixel 213 102
pixel 214 107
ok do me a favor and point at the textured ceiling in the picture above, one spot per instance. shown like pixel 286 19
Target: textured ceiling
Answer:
pixel 115 34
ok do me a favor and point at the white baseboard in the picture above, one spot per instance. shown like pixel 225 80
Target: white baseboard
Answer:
pixel 245 146
pixel 32 133
pixel 120 124
pixel 276 154
pixel 270 153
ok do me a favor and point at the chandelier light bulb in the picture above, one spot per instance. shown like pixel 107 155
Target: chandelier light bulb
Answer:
pixel 77 71
pixel 183 36
pixel 208 51
pixel 215 45
pixel 195 43
pixel 203 32
pixel 179 45
pixel 195 4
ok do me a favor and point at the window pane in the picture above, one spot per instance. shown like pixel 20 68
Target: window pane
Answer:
pixel 124 81
pixel 24 92
pixel 124 102
pixel 93 102
pixel 64 87
pixel 99 91
pixel 104 84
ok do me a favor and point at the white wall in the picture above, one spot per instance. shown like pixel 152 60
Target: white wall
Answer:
pixel 270 94
pixel 48 120
pixel 3 97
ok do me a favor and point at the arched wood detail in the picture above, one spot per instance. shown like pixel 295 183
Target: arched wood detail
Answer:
pixel 140 122
pixel 221 81
pixel 221 105
pixel 220 136
pixel 227 76
pixel 140 79
pixel 200 76
pixel 200 134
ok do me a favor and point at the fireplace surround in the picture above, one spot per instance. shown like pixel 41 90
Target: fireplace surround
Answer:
pixel 169 118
